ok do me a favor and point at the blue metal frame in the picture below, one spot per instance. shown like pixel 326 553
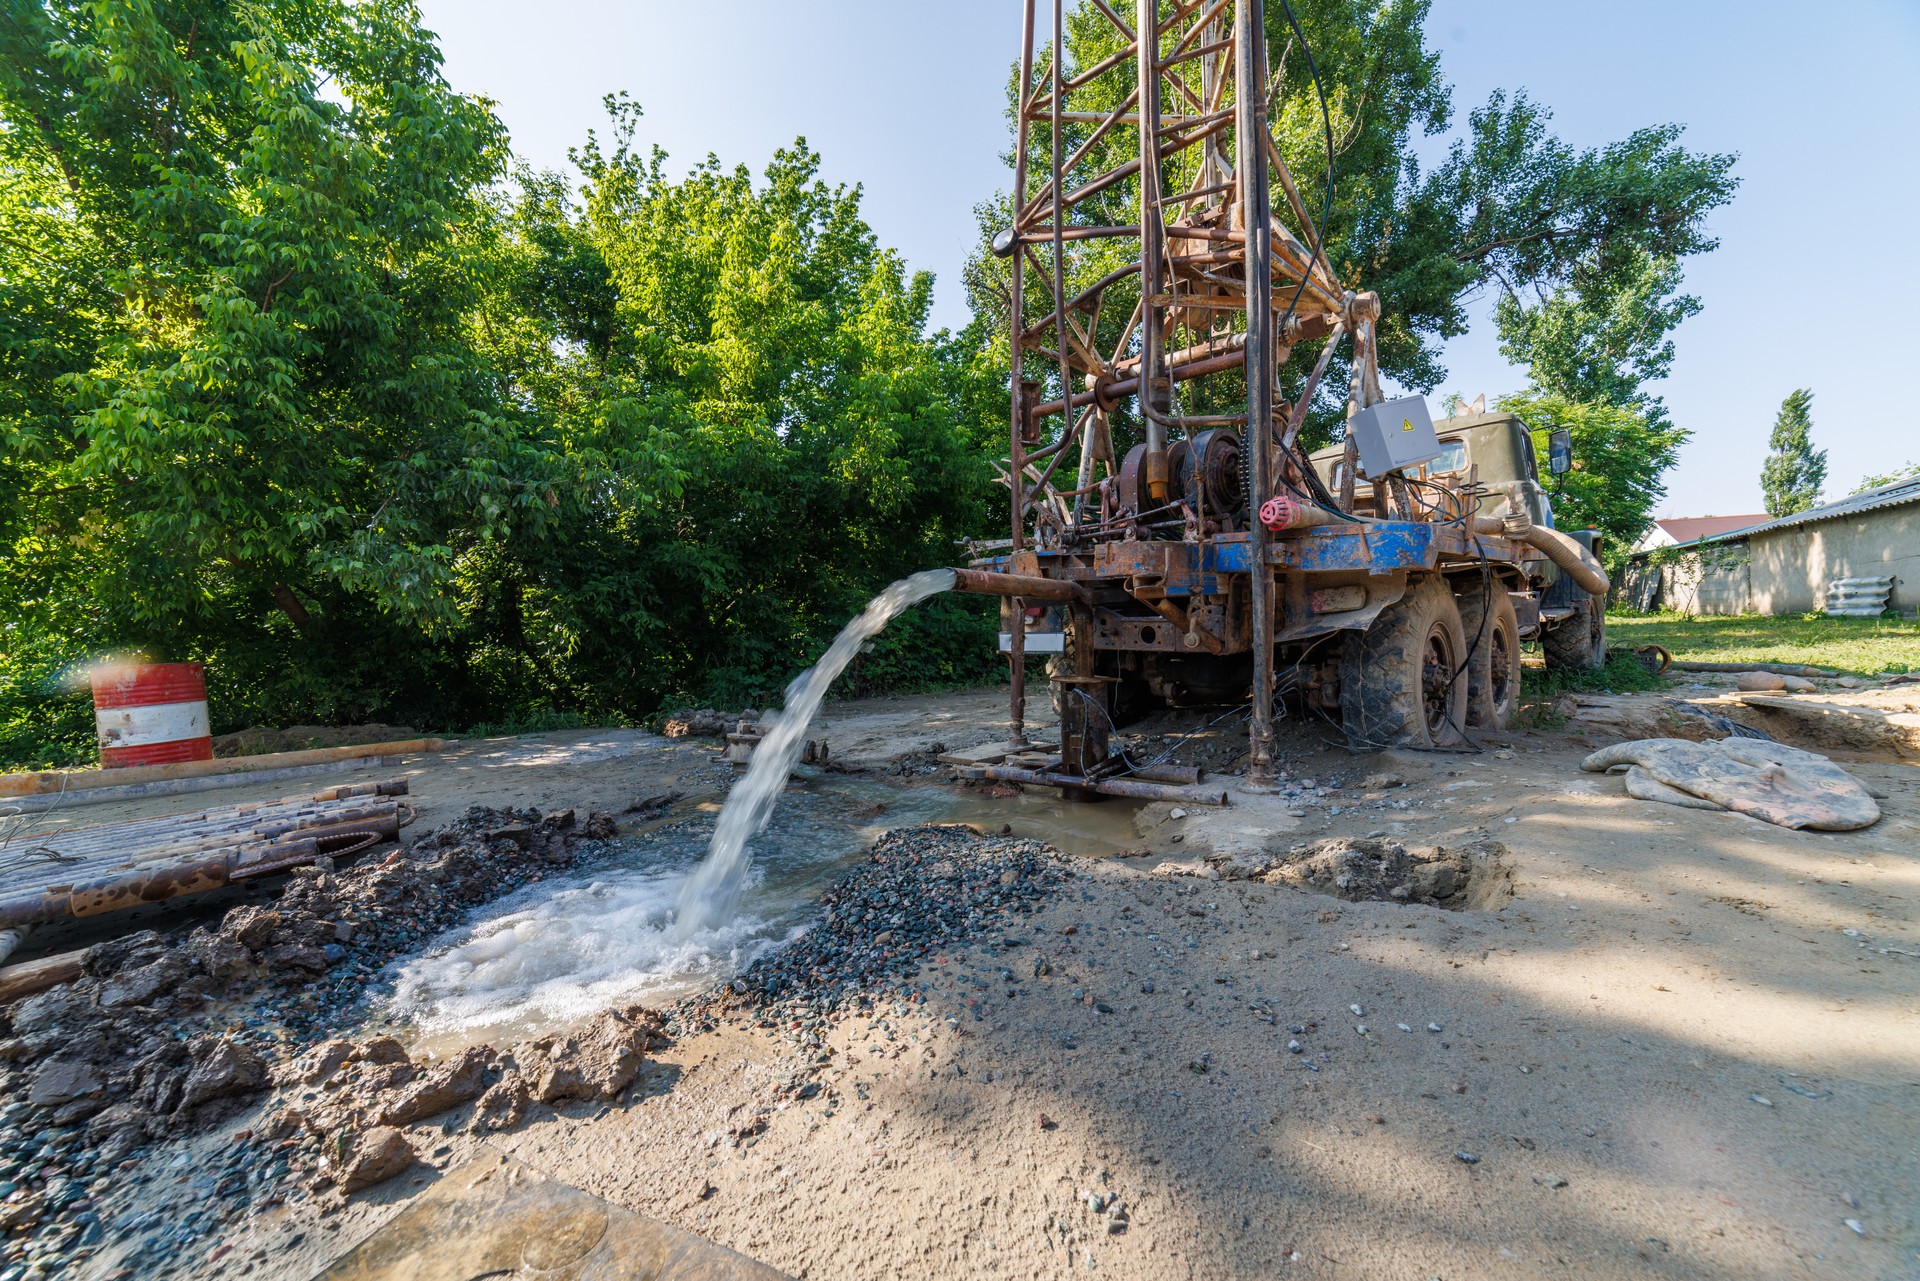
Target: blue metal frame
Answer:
pixel 1375 547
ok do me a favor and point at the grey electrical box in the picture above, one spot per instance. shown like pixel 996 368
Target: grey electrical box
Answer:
pixel 1394 434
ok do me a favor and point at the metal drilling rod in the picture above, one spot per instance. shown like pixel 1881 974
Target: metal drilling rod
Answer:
pixel 1017 639
pixel 1152 248
pixel 1250 127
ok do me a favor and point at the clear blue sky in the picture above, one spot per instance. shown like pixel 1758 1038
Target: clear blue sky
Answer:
pixel 1816 282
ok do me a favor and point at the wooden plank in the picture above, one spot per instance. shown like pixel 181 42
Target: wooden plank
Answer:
pixel 45 782
pixel 29 977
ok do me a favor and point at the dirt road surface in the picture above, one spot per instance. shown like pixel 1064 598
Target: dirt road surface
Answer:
pixel 1667 1043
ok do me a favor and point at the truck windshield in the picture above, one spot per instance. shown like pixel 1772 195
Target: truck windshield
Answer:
pixel 1453 456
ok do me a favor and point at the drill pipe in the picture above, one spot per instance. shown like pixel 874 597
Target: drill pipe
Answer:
pixel 984 582
pixel 1110 786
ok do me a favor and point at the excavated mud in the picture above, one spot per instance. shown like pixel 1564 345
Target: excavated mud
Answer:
pixel 167 1035
pixel 1364 869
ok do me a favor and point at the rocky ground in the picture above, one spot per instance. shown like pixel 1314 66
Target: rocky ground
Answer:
pixel 1414 1015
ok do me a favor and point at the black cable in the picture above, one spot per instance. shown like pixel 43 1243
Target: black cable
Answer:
pixel 1326 209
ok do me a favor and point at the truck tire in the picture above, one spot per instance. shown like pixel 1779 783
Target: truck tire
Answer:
pixel 1401 683
pixel 1493 659
pixel 1578 644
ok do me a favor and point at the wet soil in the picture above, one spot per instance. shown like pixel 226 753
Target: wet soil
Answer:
pixel 1675 1043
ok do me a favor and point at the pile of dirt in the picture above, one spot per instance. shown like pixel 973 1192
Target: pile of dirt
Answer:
pixel 350 1103
pixel 166 1034
pixel 1363 869
pixel 920 762
pixel 258 740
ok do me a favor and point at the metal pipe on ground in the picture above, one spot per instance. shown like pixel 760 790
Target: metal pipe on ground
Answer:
pixel 11 939
pixel 1108 786
pixel 1778 669
pixel 29 977
pixel 1184 774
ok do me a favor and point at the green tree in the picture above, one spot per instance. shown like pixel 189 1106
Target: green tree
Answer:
pixel 1898 474
pixel 1620 454
pixel 777 433
pixel 1602 340
pixel 241 407
pixel 1795 472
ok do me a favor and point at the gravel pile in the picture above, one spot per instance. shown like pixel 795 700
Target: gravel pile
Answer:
pixel 923 889
pixel 166 1034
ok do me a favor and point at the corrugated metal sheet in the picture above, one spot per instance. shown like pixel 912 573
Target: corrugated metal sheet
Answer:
pixel 1894 495
pixel 1897 494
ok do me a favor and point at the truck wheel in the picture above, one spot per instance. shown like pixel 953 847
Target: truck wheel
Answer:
pixel 1400 680
pixel 1578 644
pixel 1493 664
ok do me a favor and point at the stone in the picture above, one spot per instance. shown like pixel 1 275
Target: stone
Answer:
pixel 381 1049
pixel 1798 685
pixel 117 1131
pixel 251 926
pixel 502 1107
pixel 221 1069
pixel 164 976
pixel 441 1087
pixel 222 956
pixel 596 1062
pixel 61 1081
pixel 1757 682
pixel 295 956
pixel 374 1156
pixel 1380 782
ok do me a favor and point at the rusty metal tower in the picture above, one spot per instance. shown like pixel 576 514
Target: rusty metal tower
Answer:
pixel 1144 185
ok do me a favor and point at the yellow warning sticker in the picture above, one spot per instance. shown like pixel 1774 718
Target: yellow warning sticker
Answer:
pixel 1406 424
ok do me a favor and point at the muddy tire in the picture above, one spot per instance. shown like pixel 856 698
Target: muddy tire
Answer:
pixel 1401 683
pixel 1493 663
pixel 1578 644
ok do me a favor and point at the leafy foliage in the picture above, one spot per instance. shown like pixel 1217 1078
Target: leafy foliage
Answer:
pixel 1619 456
pixel 1795 472
pixel 1908 472
pixel 773 434
pixel 1602 341
pixel 292 381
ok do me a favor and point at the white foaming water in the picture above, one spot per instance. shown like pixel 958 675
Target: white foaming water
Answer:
pixel 557 957
pixel 711 895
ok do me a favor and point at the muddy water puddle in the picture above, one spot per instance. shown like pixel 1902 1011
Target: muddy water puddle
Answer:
pixel 556 952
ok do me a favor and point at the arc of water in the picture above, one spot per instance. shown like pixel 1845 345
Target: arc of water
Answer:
pixel 711 895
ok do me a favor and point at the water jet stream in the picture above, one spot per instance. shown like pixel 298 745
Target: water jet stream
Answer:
pixel 711 895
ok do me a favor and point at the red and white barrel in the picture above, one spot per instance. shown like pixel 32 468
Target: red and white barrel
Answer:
pixel 152 713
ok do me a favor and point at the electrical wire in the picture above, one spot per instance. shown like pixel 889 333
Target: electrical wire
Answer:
pixel 1326 209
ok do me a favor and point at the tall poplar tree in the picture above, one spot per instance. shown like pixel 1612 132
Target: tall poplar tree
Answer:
pixel 1795 471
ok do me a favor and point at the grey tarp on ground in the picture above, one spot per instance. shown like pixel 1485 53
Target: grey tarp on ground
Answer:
pixel 1771 781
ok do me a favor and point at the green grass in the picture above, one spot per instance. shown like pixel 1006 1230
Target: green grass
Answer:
pixel 1623 674
pixel 1858 646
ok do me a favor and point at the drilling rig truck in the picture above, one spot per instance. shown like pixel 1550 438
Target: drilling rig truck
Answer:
pixel 1163 270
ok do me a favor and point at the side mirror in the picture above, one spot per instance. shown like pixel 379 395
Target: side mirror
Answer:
pixel 1560 452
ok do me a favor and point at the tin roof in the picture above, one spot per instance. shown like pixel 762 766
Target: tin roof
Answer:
pixel 1898 493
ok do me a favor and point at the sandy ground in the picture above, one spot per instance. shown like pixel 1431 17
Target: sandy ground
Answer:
pixel 1688 1045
